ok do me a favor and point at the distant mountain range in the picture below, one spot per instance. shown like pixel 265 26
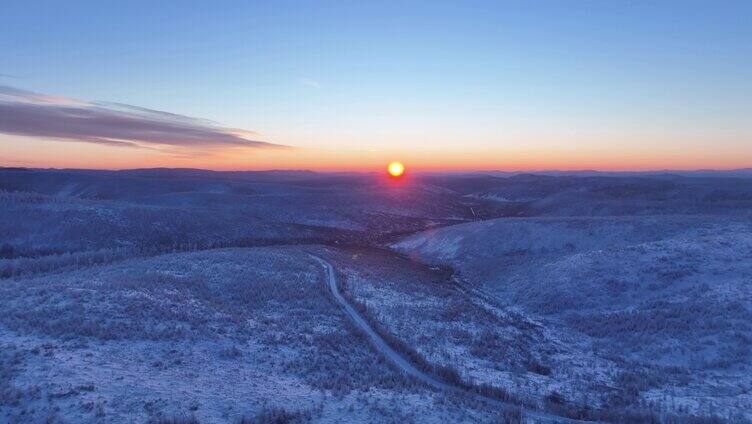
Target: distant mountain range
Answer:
pixel 741 172
pixel 291 173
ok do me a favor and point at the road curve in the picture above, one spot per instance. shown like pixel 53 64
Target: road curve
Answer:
pixel 378 342
pixel 404 365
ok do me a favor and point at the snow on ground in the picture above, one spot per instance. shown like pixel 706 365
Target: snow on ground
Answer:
pixel 483 344
pixel 669 297
pixel 217 335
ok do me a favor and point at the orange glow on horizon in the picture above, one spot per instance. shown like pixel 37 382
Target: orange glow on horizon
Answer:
pixel 47 153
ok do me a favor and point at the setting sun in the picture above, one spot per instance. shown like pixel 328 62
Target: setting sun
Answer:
pixel 396 169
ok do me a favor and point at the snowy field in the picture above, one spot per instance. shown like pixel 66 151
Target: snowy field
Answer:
pixel 217 335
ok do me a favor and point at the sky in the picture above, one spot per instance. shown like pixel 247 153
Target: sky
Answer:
pixel 527 85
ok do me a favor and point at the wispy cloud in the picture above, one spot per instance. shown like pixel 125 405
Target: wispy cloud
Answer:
pixel 33 114
pixel 309 82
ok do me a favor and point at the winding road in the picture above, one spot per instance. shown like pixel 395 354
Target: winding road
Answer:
pixel 378 342
pixel 405 365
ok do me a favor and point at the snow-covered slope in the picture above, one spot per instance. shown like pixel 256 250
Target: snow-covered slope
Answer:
pixel 670 291
pixel 216 335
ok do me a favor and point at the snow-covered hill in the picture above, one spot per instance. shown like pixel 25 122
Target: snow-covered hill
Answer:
pixel 217 336
pixel 670 291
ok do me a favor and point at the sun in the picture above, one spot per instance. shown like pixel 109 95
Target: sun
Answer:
pixel 396 169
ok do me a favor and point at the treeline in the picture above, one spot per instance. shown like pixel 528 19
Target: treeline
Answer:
pixel 33 265
pixel 15 261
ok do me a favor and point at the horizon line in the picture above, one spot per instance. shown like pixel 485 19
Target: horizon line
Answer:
pixel 419 171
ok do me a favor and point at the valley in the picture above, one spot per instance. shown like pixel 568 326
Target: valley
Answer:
pixel 308 296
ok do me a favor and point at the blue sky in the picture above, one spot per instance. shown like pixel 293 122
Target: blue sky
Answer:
pixel 621 84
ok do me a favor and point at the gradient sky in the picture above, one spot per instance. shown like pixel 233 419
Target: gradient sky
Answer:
pixel 352 85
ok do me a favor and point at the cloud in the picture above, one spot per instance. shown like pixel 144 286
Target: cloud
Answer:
pixel 309 82
pixel 33 114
